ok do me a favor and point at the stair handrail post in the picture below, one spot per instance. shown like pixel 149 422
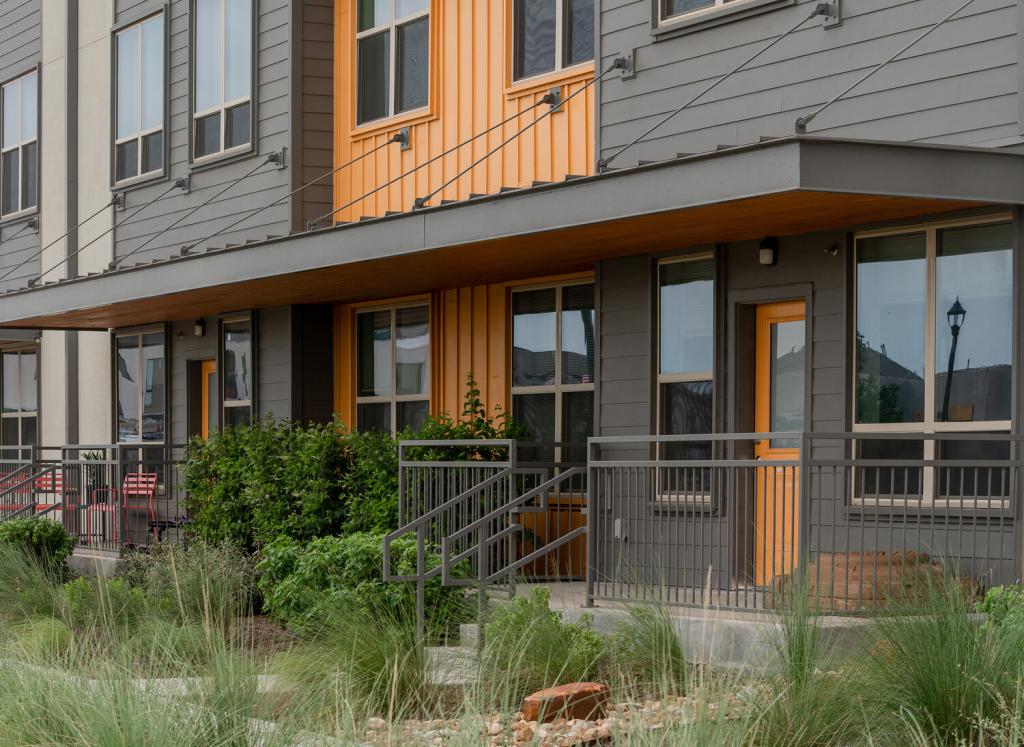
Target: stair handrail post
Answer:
pixel 592 512
pixel 803 504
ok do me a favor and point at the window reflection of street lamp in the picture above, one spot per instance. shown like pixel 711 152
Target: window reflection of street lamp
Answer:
pixel 955 316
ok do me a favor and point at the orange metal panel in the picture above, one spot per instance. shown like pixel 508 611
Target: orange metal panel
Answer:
pixel 471 90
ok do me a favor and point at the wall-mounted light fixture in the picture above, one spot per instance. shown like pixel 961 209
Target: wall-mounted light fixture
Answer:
pixel 199 328
pixel 768 251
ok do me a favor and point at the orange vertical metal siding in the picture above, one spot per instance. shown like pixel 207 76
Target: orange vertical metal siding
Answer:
pixel 471 90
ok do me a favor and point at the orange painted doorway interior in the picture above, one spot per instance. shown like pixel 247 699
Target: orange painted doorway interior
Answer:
pixel 209 421
pixel 780 352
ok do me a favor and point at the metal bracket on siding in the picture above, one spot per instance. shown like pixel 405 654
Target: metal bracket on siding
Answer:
pixel 33 224
pixel 120 202
pixel 184 183
pixel 279 157
pixel 554 99
pixel 832 12
pixel 626 64
pixel 404 138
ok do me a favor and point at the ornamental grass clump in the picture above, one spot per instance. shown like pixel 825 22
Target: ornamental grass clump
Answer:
pixel 645 655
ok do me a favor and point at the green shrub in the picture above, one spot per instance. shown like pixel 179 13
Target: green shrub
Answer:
pixel 528 647
pixel 302 582
pixel 43 539
pixel 1003 606
pixel 103 604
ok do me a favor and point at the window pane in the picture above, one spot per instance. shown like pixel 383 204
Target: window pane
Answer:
pixel 786 405
pixel 9 177
pixel 12 390
pixel 578 334
pixel 127 156
pixel 577 424
pixel 579 27
pixel 238 42
pixel 533 338
pixel 687 316
pixel 536 413
pixel 374 76
pixel 238 125
pixel 29 106
pixel 128 82
pixel 974 266
pixel 675 7
pixel 208 54
pixel 128 389
pixel 889 482
pixel 207 135
pixel 974 482
pixel 890 329
pixel 374 417
pixel 153 152
pixel 28 431
pixel 413 65
pixel 405 8
pixel 412 345
pixel 153 72
pixel 686 410
pixel 29 174
pixel 12 113
pixel 153 394
pixel 534 37
pixel 27 381
pixel 237 361
pixel 373 13
pixel 241 415
pixel 412 415
pixel 10 432
pixel 373 354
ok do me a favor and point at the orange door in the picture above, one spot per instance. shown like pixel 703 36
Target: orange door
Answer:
pixel 780 351
pixel 209 420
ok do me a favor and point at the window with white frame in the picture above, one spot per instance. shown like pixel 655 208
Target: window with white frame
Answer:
pixel 20 414
pixel 553 348
pixel 238 378
pixel 686 334
pixel 673 10
pixel 139 100
pixel 392 57
pixel 392 368
pixel 19 154
pixel 141 387
pixel 933 351
pixel 549 35
pixel 222 76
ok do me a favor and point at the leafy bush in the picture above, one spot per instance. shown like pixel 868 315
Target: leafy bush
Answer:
pixel 303 582
pixel 105 604
pixel 528 647
pixel 1003 606
pixel 43 539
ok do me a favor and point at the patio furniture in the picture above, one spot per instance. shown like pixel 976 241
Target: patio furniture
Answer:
pixel 137 493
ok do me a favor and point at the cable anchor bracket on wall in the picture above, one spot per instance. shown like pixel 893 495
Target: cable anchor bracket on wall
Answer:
pixel 279 157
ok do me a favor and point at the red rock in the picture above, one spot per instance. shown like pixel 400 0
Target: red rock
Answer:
pixel 580 700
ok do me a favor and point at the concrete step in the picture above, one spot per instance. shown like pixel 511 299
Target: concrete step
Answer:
pixel 452 666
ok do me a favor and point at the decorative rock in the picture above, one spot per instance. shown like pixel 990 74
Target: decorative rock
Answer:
pixel 579 700
pixel 374 724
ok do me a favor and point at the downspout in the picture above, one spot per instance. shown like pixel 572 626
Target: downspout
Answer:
pixel 71 208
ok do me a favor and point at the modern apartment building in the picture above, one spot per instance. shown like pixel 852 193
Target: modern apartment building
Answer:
pixel 765 254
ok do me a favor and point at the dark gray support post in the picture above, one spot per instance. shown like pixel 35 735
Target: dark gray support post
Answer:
pixel 71 208
pixel 803 504
pixel 592 493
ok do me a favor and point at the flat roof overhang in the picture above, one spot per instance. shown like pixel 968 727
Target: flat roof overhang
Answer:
pixel 777 187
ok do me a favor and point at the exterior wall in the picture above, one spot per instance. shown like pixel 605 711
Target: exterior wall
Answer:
pixel 313 121
pixel 959 85
pixel 471 90
pixel 21 50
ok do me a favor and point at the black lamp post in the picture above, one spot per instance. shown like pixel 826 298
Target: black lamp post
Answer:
pixel 955 316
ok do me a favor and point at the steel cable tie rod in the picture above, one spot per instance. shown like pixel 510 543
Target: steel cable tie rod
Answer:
pixel 59 238
pixel 819 10
pixel 555 105
pixel 802 122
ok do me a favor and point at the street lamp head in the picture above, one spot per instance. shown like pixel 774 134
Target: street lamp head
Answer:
pixel 956 315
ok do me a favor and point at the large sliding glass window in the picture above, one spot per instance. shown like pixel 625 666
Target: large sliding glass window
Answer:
pixel 139 101
pixel 933 349
pixel 553 347
pixel 19 144
pixel 141 388
pixel 393 57
pixel 392 368
pixel 238 380
pixel 549 35
pixel 20 416
pixel 222 76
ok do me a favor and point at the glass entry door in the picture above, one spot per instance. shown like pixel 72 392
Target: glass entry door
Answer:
pixel 209 420
pixel 780 352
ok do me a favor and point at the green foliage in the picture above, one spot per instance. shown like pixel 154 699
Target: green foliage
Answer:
pixel 644 652
pixel 304 582
pixel 39 638
pixel 1003 606
pixel 103 603
pixel 43 539
pixel 529 647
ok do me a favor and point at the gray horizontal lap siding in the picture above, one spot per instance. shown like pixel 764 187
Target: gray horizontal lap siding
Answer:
pixel 959 85
pixel 266 186
pixel 20 52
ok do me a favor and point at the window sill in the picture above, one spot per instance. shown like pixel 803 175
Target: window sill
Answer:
pixel 19 217
pixel 393 123
pixel 705 19
pixel 139 181
pixel 537 83
pixel 239 153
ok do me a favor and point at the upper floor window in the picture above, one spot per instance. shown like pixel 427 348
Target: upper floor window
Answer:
pixel 392 368
pixel 141 387
pixel 139 133
pixel 550 35
pixel 18 421
pixel 236 352
pixel 393 57
pixel 222 98
pixel 19 155
pixel 673 9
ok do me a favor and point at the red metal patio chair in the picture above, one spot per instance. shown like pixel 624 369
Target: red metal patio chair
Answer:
pixel 137 487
